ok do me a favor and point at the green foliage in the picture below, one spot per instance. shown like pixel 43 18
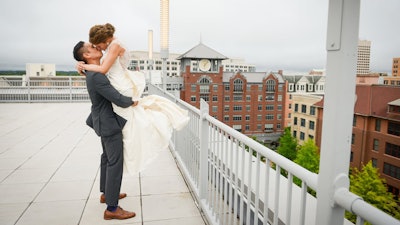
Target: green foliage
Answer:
pixel 368 185
pixel 308 157
pixel 287 145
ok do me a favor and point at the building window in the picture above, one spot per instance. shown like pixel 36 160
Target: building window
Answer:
pixel 247 117
pixel 311 125
pixel 238 85
pixel 377 125
pixel 295 121
pixel 376 145
pixel 270 97
pixel 374 162
pixel 296 107
pixel 279 116
pixel 237 97
pixel 259 117
pixel 193 98
pixel 269 117
pixel 270 86
pixel 226 118
pixel 227 98
pixel 354 120
pixel 215 108
pixel 269 107
pixel 303 122
pixel 303 108
pixel 193 87
pixel 237 108
pixel 259 107
pixel 353 136
pixel 248 108
pixel 269 127
pixel 259 98
pixel 215 98
pixel 205 97
pixel 248 98
pixel 278 126
pixel 391 170
pixel 237 118
pixel 226 108
pixel 393 150
pixel 295 134
pixel 312 110
pixel 279 98
pixel 204 85
pixel 247 127
pixel 215 87
pixel 226 87
pixel 279 107
pixel 394 128
pixel 302 136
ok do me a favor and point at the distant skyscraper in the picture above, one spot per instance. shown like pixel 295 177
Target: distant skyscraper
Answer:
pixel 395 67
pixel 363 57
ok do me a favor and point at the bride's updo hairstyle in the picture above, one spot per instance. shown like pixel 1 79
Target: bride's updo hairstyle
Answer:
pixel 100 33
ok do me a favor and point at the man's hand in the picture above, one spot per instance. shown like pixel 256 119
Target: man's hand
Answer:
pixel 135 103
pixel 80 68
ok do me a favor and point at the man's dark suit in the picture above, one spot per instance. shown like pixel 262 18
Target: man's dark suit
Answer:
pixel 108 125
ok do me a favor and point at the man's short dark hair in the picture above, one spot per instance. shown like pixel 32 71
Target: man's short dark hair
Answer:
pixel 78 51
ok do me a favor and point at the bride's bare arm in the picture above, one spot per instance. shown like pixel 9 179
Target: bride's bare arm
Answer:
pixel 113 52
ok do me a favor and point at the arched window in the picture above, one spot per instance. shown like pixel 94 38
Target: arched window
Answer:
pixel 238 85
pixel 204 85
pixel 270 86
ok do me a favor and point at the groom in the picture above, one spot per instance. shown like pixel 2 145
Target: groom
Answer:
pixel 108 125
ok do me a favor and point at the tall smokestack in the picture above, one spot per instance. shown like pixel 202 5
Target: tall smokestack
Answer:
pixel 164 39
pixel 164 28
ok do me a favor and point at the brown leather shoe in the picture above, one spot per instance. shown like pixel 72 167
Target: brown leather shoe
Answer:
pixel 103 197
pixel 118 214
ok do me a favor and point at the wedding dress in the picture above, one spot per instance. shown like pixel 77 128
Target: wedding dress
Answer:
pixel 149 124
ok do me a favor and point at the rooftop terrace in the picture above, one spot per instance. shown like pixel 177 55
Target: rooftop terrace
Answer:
pixel 49 173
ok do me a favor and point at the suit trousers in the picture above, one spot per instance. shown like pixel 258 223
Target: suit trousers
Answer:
pixel 111 168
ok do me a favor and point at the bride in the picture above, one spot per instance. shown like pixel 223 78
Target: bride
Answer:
pixel 150 124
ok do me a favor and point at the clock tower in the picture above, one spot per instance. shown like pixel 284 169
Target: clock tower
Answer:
pixel 202 72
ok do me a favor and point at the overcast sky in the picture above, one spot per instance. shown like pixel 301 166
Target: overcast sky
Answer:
pixel 271 34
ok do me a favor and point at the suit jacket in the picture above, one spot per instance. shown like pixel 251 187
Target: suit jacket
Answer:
pixel 102 118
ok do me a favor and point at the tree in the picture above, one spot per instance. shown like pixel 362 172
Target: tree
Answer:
pixel 368 185
pixel 287 145
pixel 308 157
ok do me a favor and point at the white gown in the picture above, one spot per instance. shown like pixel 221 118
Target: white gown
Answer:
pixel 149 124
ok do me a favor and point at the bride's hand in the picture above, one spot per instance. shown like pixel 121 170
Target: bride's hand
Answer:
pixel 80 67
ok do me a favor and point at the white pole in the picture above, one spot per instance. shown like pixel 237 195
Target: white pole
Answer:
pixel 342 39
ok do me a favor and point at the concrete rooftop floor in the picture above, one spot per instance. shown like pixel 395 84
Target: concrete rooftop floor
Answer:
pixel 49 173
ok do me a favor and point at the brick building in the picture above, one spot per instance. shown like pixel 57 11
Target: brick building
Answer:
pixel 376 131
pixel 250 102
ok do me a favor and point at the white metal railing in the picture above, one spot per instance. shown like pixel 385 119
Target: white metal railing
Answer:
pixel 236 180
pixel 43 89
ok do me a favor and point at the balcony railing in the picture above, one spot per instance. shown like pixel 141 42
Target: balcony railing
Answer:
pixel 236 180
pixel 43 89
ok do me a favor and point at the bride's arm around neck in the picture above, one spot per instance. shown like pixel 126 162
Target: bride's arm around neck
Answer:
pixel 114 51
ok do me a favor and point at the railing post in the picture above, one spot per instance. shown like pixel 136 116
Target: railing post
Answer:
pixel 342 39
pixel 70 88
pixel 29 88
pixel 203 141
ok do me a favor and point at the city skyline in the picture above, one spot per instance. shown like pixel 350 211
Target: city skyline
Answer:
pixel 270 35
